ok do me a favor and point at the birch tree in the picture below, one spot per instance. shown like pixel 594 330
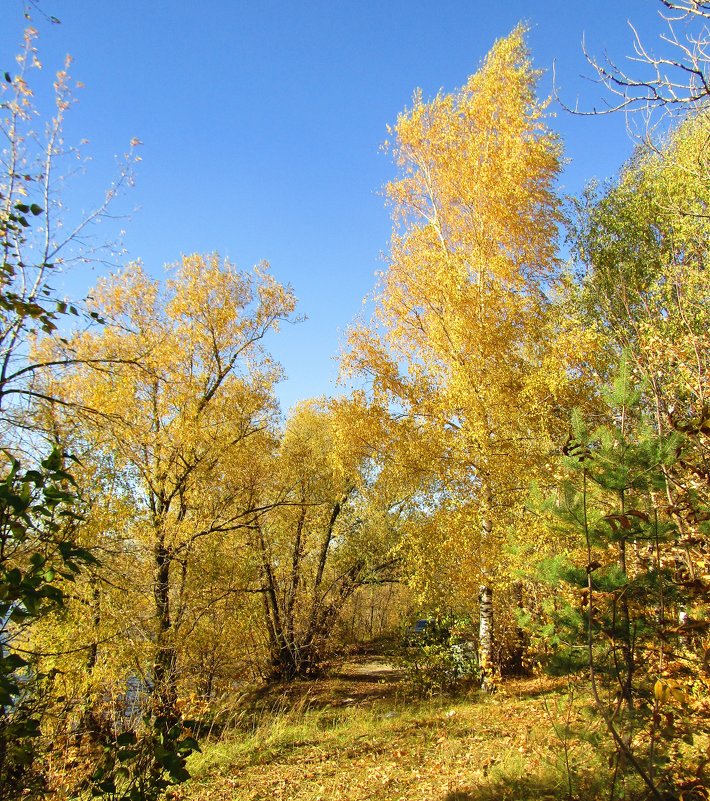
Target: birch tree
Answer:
pixel 644 249
pixel 457 341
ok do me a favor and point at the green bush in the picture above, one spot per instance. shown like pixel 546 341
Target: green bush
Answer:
pixel 440 655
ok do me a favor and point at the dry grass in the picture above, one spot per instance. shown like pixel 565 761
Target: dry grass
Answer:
pixel 352 738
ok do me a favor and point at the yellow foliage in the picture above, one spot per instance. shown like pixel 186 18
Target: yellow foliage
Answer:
pixel 668 690
pixel 171 407
pixel 459 346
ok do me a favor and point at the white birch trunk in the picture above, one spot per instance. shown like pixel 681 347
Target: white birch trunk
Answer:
pixel 485 637
pixel 485 604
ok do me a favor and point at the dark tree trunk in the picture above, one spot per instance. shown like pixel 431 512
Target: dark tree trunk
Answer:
pixel 516 663
pixel 164 694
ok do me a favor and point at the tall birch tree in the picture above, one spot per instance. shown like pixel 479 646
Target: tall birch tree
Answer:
pixel 457 340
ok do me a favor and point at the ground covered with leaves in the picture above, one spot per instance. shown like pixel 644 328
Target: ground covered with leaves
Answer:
pixel 359 736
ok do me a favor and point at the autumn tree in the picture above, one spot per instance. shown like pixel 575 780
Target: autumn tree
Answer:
pixel 180 412
pixel 642 503
pixel 37 238
pixel 332 530
pixel 457 343
pixel 644 248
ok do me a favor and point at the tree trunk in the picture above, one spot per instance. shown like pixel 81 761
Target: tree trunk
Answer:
pixel 515 665
pixel 164 694
pixel 485 637
pixel 625 673
pixel 485 601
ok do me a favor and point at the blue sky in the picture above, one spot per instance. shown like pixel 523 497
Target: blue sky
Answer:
pixel 262 122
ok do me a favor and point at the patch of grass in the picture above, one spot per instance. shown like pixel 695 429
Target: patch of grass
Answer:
pixel 390 748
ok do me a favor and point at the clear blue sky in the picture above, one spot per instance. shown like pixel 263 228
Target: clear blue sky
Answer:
pixel 262 121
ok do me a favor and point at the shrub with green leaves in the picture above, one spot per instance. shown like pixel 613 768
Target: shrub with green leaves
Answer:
pixel 439 656
pixel 37 557
pixel 141 765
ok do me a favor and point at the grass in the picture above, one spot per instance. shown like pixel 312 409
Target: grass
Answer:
pixel 346 740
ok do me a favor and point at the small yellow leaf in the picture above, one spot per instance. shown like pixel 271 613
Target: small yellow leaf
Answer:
pixel 660 691
pixel 679 695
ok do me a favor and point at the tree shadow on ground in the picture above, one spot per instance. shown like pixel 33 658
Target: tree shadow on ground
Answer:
pixel 526 788
pixel 345 685
pixel 535 687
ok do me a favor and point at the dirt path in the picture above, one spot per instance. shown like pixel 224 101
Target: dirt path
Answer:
pixel 371 670
pixel 358 682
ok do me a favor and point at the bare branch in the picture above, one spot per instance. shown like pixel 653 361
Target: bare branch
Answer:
pixel 676 81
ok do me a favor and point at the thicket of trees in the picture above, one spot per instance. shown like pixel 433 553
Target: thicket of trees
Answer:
pixel 166 538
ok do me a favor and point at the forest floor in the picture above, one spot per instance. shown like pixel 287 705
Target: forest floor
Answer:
pixel 360 735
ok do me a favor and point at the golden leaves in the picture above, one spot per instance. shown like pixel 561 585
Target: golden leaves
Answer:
pixel 461 321
pixel 178 380
pixel 667 690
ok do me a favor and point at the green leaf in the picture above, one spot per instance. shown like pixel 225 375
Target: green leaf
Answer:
pixel 126 738
pixel 13 662
pixel 189 744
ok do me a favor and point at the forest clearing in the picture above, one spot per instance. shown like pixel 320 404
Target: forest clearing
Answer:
pixel 479 570
pixel 374 741
pixel 359 737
